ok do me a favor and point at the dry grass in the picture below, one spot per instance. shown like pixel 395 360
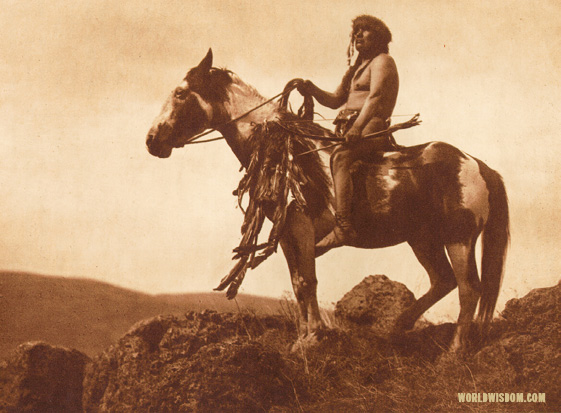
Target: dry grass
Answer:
pixel 357 371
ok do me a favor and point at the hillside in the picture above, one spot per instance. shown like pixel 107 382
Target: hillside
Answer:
pixel 89 315
pixel 209 361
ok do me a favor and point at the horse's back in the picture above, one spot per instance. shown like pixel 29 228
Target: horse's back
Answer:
pixel 434 185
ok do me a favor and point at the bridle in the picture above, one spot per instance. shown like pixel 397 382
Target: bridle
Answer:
pixel 305 114
pixel 285 93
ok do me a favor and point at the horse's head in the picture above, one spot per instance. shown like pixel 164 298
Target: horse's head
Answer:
pixel 190 109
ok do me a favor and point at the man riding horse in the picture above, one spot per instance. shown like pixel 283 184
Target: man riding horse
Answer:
pixel 433 196
pixel 367 93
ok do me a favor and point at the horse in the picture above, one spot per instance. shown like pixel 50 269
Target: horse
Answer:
pixel 433 196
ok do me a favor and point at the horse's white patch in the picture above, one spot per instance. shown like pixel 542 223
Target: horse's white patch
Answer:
pixel 474 191
pixel 243 98
pixel 389 154
pixel 165 113
pixel 387 180
pixel 325 158
pixel 390 180
pixel 205 106
pixel 429 152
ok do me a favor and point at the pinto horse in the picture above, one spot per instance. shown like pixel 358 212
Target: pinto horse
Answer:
pixel 433 196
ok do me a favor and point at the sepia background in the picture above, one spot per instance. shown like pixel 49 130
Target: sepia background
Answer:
pixel 81 82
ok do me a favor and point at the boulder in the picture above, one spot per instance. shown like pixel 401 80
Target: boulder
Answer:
pixel 39 377
pixel 530 334
pixel 201 362
pixel 539 311
pixel 375 302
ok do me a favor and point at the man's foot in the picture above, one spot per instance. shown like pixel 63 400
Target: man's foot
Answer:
pixel 338 237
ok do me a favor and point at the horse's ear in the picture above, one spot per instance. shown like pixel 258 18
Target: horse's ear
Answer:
pixel 206 63
pixel 199 76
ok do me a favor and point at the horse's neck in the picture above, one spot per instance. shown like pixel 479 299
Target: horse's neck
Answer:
pixel 243 99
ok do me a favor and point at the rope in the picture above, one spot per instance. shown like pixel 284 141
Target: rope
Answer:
pixel 308 121
pixel 193 138
pixel 287 90
pixel 207 140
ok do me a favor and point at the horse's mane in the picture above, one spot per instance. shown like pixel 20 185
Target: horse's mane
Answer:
pixel 234 78
pixel 220 79
pixel 215 86
pixel 275 173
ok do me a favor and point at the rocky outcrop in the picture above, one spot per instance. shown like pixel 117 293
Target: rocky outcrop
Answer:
pixel 375 303
pixel 42 378
pixel 538 312
pixel 526 342
pixel 239 362
pixel 203 362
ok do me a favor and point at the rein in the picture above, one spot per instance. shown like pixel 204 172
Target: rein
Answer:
pixel 306 114
pixel 289 88
pixel 274 178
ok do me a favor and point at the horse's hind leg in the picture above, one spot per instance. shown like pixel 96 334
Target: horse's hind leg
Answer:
pixel 433 258
pixel 298 245
pixel 462 256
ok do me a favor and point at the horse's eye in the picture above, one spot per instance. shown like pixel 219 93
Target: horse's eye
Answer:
pixel 180 93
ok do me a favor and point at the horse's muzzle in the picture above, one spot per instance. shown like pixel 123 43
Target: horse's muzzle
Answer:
pixel 156 147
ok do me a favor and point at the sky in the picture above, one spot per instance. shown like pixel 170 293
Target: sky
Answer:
pixel 81 83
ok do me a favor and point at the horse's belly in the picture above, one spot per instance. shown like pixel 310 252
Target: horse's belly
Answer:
pixel 382 208
pixel 381 223
pixel 380 232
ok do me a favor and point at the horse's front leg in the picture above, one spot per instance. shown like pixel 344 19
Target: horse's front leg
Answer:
pixel 298 244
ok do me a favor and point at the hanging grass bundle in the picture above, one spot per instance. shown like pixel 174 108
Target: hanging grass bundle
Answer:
pixel 274 177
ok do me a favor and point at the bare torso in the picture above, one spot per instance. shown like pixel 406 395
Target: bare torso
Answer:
pixel 373 92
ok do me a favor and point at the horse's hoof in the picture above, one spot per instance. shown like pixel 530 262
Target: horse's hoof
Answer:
pixel 403 324
pixel 395 336
pixel 304 342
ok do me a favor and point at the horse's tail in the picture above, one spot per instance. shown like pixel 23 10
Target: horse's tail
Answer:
pixel 495 242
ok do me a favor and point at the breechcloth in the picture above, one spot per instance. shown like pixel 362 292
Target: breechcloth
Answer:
pixel 363 149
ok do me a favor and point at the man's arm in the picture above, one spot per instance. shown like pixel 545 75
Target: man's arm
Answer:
pixel 331 100
pixel 383 77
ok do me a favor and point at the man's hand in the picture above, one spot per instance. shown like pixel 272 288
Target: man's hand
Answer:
pixel 305 87
pixel 353 135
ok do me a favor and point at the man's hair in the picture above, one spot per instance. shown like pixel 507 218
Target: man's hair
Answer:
pixel 382 34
